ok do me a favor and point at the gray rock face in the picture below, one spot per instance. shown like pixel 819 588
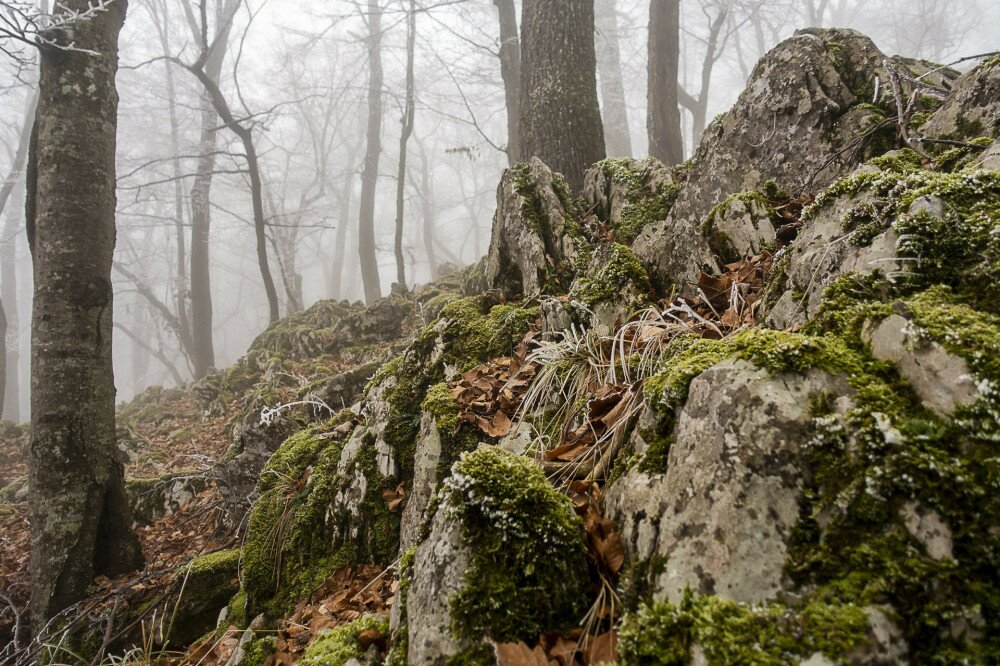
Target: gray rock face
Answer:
pixel 531 245
pixel 438 567
pixel 745 222
pixel 972 109
pixel 425 462
pixel 827 247
pixel 990 159
pixel 721 514
pixel 785 123
pixel 941 379
pixel 608 197
pixel 674 252
pixel 927 527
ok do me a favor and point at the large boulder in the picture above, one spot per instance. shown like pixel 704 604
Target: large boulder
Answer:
pixel 972 109
pixel 504 560
pixel 721 515
pixel 536 239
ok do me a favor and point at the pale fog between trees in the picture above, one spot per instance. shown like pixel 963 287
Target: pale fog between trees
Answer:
pixel 296 76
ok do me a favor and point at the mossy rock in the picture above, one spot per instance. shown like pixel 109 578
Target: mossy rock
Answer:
pixel 209 582
pixel 347 641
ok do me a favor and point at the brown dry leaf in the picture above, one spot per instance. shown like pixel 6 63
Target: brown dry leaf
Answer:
pixel 519 654
pixel 603 648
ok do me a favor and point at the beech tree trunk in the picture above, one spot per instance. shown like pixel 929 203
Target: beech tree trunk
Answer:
pixel 617 140
pixel 344 216
pixel 407 122
pixel 510 71
pixel 80 519
pixel 663 120
pixel 373 150
pixel 3 353
pixel 560 114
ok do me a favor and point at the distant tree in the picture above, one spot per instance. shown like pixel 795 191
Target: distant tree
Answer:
pixel 81 523
pixel 510 71
pixel 373 150
pixel 617 139
pixel 9 406
pixel 663 120
pixel 560 114
pixel 409 109
pixel 716 14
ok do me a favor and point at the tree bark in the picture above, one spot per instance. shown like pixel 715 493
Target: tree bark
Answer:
pixel 510 71
pixel 80 519
pixel 663 120
pixel 560 114
pixel 427 212
pixel 373 150
pixel 3 353
pixel 617 140
pixel 340 240
pixel 698 106
pixel 404 138
pixel 201 187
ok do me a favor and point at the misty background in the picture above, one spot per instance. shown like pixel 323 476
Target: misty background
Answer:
pixel 296 72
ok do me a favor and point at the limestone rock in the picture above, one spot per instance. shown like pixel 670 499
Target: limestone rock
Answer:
pixel 972 109
pixel 627 194
pixel 740 226
pixel 829 245
pixel 674 253
pixel 927 527
pixel 721 514
pixel 425 463
pixel 941 380
pixel 990 159
pixel 437 574
pixel 534 243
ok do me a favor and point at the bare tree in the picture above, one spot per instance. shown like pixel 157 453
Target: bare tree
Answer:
pixel 663 120
pixel 373 150
pixel 510 71
pixel 560 114
pixel 243 129
pixel 80 516
pixel 407 129
pixel 617 138
pixel 715 44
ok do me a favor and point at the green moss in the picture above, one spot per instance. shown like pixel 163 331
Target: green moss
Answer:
pixel 527 568
pixel 292 542
pixel 339 645
pixel 718 241
pixel 457 437
pixel 733 633
pixel 654 458
pixel 258 650
pixel 622 274
pixel 644 202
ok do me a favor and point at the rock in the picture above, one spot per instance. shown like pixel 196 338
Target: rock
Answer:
pixel 818 659
pixel 972 109
pixel 504 560
pixel 721 515
pixel 627 194
pixel 614 285
pixel 674 253
pixel 248 636
pixel 740 226
pixel 535 237
pixel 927 527
pixel 155 498
pixel 425 463
pixel 942 380
pixel 885 644
pixel 210 581
pixel 438 572
pixel 844 234
pixel 990 159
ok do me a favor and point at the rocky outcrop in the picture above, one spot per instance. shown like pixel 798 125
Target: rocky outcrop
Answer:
pixel 972 108
pixel 721 515
pixel 536 240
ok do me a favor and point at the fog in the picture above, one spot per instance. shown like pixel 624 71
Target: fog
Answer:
pixel 296 72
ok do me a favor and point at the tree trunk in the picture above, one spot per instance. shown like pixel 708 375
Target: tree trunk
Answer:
pixel 80 519
pixel 664 115
pixel 510 71
pixel 617 139
pixel 10 405
pixel 427 211
pixel 373 149
pixel 340 240
pixel 3 354
pixel 560 115
pixel 404 138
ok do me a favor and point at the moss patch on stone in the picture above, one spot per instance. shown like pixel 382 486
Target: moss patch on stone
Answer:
pixel 622 275
pixel 644 202
pixel 527 570
pixel 339 645
pixel 734 633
